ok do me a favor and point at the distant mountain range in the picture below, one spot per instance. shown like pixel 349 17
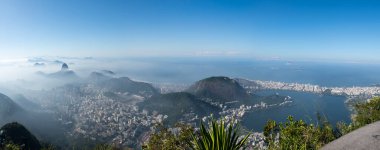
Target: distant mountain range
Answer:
pixel 124 84
pixel 212 95
pixel 204 97
pixel 97 77
pixel 104 79
pixel 200 98
pixel 65 73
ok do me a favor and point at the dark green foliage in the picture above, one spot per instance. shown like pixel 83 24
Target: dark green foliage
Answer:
pixel 175 105
pixel 164 139
pixel 270 132
pixel 12 147
pixel 14 134
pixel 366 113
pixel 221 89
pixel 224 89
pixel 299 135
pixel 219 137
pixel 296 134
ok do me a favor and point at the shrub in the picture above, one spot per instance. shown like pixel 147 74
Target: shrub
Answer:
pixel 218 137
pixel 366 113
pixel 296 134
pixel 164 139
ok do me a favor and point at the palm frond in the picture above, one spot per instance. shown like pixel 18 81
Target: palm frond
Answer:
pixel 219 136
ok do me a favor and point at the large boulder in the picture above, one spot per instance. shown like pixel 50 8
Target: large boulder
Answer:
pixel 64 67
pixel 367 137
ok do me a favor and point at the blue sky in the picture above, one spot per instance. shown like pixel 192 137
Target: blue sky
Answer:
pixel 344 30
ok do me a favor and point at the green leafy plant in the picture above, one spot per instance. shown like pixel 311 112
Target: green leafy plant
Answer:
pixel 164 139
pixel 366 113
pixel 12 147
pixel 219 137
pixel 297 134
pixel 270 132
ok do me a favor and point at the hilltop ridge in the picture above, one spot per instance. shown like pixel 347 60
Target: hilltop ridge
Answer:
pixel 17 134
pixel 220 89
pixel 7 106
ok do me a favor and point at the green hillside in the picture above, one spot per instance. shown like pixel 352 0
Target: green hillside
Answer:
pixel 175 105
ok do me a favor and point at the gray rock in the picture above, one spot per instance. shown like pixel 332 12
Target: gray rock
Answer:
pixel 364 138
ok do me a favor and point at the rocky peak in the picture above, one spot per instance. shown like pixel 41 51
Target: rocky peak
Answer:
pixel 64 67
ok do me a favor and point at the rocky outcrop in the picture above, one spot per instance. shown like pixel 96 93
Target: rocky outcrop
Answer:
pixel 64 67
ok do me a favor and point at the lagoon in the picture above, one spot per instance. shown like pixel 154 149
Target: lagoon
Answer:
pixel 305 106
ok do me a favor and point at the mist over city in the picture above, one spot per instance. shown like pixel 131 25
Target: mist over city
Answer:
pixel 163 75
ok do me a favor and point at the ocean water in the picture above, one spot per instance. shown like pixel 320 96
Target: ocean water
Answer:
pixel 175 70
pixel 305 106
